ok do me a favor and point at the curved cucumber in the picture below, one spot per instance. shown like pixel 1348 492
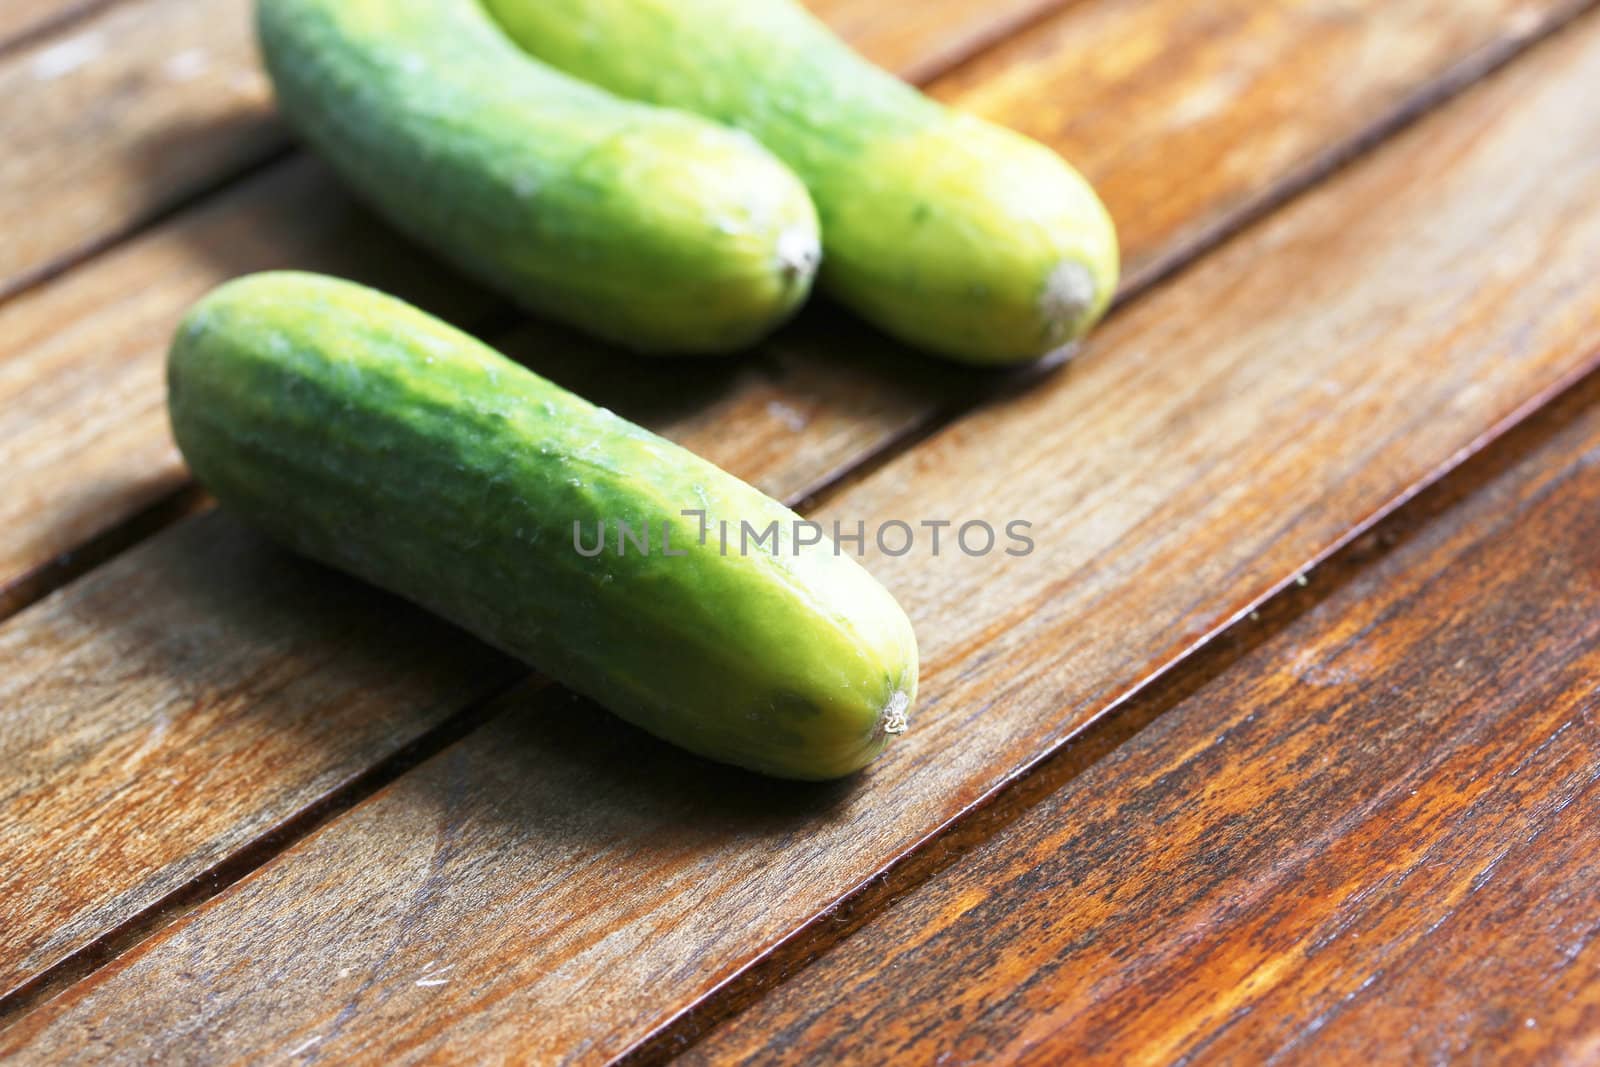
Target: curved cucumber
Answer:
pixel 654 228
pixel 950 232
pixel 375 438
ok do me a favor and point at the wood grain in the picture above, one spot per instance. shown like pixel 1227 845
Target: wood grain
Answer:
pixel 22 20
pixel 78 469
pixel 119 116
pixel 1374 839
pixel 217 686
pixel 559 885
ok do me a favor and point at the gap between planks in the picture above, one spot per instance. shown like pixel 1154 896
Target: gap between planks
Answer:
pixel 35 29
pixel 44 273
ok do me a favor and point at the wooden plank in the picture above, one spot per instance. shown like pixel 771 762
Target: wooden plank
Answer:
pixel 559 885
pixel 1130 73
pixel 1376 838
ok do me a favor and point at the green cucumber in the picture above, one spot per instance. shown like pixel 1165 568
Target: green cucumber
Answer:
pixel 653 228
pixel 366 434
pixel 948 231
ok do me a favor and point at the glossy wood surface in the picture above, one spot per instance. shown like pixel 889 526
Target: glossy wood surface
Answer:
pixel 565 869
pixel 254 810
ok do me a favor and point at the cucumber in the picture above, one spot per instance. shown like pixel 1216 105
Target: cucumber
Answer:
pixel 364 433
pixel 945 230
pixel 653 228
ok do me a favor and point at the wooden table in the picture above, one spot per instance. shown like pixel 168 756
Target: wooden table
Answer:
pixel 1282 745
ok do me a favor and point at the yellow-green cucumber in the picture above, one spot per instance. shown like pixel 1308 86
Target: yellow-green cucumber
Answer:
pixel 654 228
pixel 948 231
pixel 373 437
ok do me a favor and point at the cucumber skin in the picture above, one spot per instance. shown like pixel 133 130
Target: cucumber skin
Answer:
pixel 366 434
pixel 652 228
pixel 948 231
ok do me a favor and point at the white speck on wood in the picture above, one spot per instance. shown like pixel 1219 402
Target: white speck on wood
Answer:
pixel 431 977
pixel 187 65
pixel 792 418
pixel 305 1045
pixel 62 59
